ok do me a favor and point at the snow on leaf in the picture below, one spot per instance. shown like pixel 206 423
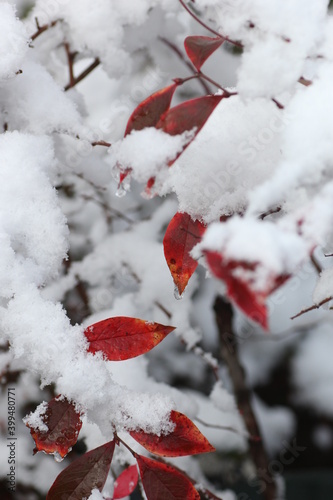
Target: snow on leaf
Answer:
pixel 163 482
pixel 199 48
pixel 182 234
pixel 239 278
pixel 185 439
pixel 63 424
pixel 83 475
pixel 122 338
pixel 149 111
pixel 126 482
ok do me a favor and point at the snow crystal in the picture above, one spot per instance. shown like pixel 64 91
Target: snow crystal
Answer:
pixel 35 419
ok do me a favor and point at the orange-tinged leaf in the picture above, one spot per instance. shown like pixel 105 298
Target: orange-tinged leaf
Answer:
pixel 83 475
pixel 238 276
pixel 122 338
pixel 199 48
pixel 185 439
pixel 126 482
pixel 163 482
pixel 63 423
pixel 182 234
pixel 149 111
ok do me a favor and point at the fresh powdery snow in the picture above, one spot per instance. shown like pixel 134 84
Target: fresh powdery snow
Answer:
pixel 259 174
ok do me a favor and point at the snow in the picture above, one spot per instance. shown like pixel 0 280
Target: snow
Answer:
pixel 13 42
pixel 146 152
pixel 323 288
pixel 68 242
pixel 35 419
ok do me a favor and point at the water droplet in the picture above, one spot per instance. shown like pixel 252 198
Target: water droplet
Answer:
pixel 121 191
pixel 57 457
pixel 176 293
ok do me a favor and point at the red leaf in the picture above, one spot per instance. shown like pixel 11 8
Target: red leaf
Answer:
pixel 182 234
pixel 83 475
pixel 185 439
pixel 149 111
pixel 240 285
pixel 126 483
pixel 122 338
pixel 163 482
pixel 188 114
pixel 64 424
pixel 199 48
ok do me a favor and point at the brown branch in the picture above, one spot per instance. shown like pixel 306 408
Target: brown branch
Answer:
pixel 41 29
pixel 316 264
pixel 204 25
pixel 70 59
pixel 227 428
pixel 102 143
pixel 229 353
pixel 311 308
pixel 181 56
pixel 84 73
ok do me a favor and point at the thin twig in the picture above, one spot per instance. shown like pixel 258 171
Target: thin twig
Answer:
pixel 316 264
pixel 84 73
pixel 41 29
pixel 70 60
pixel 278 104
pixel 204 25
pixel 181 56
pixel 227 428
pixel 315 306
pixel 102 143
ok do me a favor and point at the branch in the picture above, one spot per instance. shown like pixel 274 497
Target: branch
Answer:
pixel 216 33
pixel 228 343
pixel 311 308
pixel 84 73
pixel 181 56
pixel 41 29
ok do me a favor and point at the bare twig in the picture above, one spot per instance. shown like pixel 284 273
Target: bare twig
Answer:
pixel 204 25
pixel 181 56
pixel 84 73
pixel 70 59
pixel 312 308
pixel 41 29
pixel 101 143
pixel 316 264
pixel 229 353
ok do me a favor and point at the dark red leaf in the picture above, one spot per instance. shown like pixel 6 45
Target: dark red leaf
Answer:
pixel 83 475
pixel 149 111
pixel 185 439
pixel 126 483
pixel 163 482
pixel 199 48
pixel 122 338
pixel 239 278
pixel 64 424
pixel 189 114
pixel 182 234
